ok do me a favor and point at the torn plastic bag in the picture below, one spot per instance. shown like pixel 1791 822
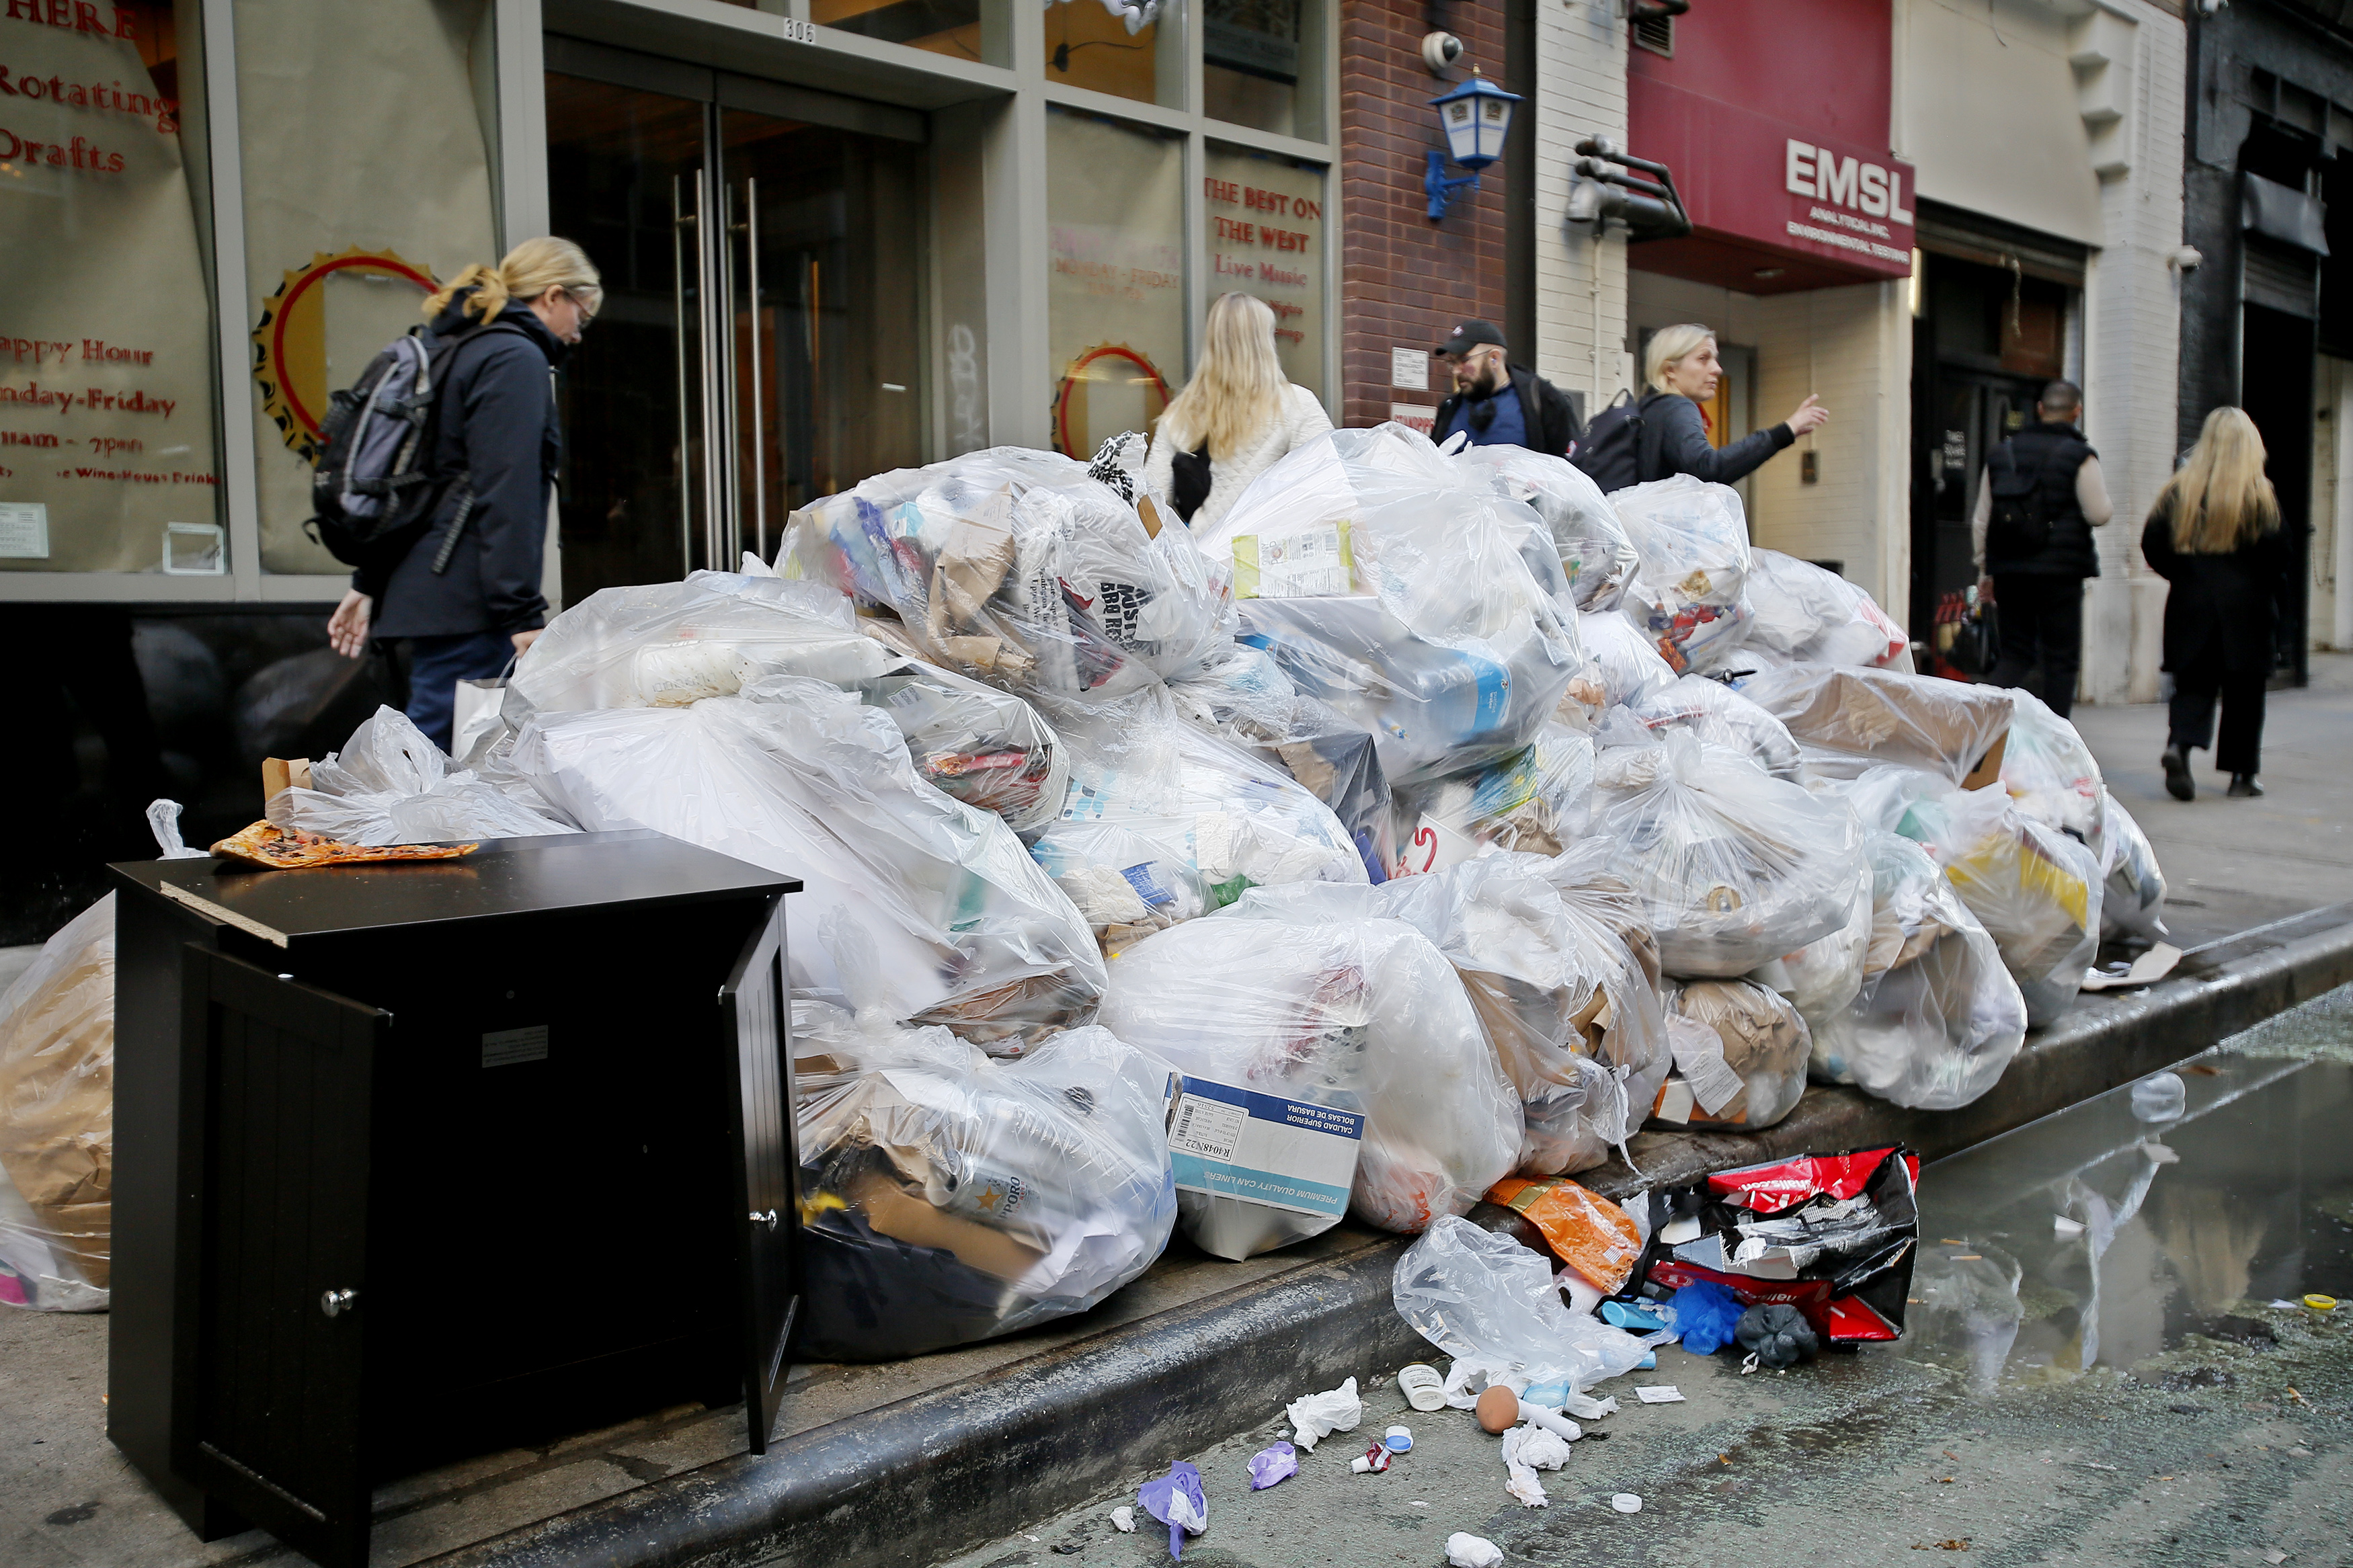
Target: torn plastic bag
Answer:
pixel 57 1121
pixel 1537 800
pixel 1483 1297
pixel 2133 903
pixel 1753 1071
pixel 1722 717
pixel 1689 594
pixel 1832 1235
pixel 1817 617
pixel 1626 669
pixel 1538 974
pixel 665 645
pixel 2052 774
pixel 1733 866
pixel 1848 718
pixel 1937 1017
pixel 1385 583
pixel 2036 891
pixel 1595 554
pixel 390 784
pixel 1018 568
pixel 1235 820
pixel 1245 698
pixel 1364 1019
pixel 914 903
pixel 948 1197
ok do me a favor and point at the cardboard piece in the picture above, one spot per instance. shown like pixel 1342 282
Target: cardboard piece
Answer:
pixel 280 775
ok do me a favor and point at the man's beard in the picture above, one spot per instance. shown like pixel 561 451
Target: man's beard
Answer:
pixel 1486 383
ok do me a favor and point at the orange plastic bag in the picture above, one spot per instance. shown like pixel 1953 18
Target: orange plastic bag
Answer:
pixel 1585 1230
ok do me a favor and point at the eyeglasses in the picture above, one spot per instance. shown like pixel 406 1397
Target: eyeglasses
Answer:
pixel 587 311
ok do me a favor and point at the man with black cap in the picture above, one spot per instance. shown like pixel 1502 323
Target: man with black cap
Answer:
pixel 1499 404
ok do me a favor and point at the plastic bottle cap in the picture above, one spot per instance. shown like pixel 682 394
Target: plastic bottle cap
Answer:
pixel 2320 1303
pixel 1626 1502
pixel 1398 1440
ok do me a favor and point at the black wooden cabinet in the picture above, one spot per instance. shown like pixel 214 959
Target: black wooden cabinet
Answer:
pixel 426 1159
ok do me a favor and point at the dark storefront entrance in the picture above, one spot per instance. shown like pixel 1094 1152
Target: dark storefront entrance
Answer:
pixel 760 343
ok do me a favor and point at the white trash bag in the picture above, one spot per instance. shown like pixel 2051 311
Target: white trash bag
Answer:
pixel 2133 903
pixel 1817 617
pixel 1594 552
pixel 1849 719
pixel 390 784
pixel 1689 594
pixel 1483 1297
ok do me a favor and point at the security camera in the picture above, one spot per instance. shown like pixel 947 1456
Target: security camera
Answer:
pixel 1440 50
pixel 2187 258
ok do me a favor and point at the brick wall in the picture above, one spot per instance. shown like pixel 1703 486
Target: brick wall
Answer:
pixel 1404 281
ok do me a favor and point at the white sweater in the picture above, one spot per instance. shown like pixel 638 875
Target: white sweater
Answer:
pixel 1303 420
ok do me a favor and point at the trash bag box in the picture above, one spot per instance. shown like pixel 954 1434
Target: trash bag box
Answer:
pixel 429 1158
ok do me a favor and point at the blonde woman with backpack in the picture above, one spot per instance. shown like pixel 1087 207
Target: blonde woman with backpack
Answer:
pixel 1234 419
pixel 463 593
pixel 2215 536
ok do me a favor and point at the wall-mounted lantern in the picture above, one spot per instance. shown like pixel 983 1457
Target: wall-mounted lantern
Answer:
pixel 1476 117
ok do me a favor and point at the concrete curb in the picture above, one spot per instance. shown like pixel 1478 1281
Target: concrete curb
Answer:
pixel 940 1472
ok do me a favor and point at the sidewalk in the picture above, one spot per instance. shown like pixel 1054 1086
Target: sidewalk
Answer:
pixel 909 1461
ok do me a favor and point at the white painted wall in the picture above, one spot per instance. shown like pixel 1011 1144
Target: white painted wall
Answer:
pixel 1581 92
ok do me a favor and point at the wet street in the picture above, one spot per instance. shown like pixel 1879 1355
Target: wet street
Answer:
pixel 2109 1360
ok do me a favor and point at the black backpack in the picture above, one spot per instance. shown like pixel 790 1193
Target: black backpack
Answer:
pixel 1611 449
pixel 373 486
pixel 2016 526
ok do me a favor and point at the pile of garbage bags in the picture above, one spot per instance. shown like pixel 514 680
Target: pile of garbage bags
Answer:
pixel 1432 821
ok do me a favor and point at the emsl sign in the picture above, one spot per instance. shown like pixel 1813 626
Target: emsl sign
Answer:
pixel 1846 203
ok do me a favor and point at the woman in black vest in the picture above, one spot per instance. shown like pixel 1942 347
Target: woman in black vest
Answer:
pixel 2215 535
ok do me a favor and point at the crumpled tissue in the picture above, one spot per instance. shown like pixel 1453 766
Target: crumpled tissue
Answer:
pixel 1464 1549
pixel 1316 1416
pixel 1526 1450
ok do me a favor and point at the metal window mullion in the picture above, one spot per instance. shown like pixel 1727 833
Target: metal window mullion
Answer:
pixel 711 237
pixel 240 490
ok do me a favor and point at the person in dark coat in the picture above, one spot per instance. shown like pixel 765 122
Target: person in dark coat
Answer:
pixel 495 449
pixel 1682 369
pixel 2215 536
pixel 2047 471
pixel 1498 403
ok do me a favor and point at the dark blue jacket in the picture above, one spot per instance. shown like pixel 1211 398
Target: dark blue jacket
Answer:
pixel 498 431
pixel 1674 441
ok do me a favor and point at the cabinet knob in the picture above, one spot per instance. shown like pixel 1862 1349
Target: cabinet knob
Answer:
pixel 768 1219
pixel 336 1303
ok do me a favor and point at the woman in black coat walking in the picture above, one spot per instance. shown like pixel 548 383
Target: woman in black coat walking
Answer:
pixel 2215 535
pixel 466 594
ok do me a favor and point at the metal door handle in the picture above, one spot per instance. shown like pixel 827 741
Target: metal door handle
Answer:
pixel 768 1219
pixel 336 1303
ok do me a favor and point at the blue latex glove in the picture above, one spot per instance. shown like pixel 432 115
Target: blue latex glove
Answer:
pixel 1274 1464
pixel 1175 1499
pixel 1706 1316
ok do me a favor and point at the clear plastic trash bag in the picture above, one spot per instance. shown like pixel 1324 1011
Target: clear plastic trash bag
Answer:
pixel 1689 594
pixel 1361 1014
pixel 390 784
pixel 1722 717
pixel 1937 1017
pixel 915 904
pixel 972 743
pixel 1626 669
pixel 2052 773
pixel 1625 1028
pixel 948 1197
pixel 1537 974
pixel 1822 977
pixel 2132 902
pixel 1849 719
pixel 1245 698
pixel 1016 567
pixel 1537 800
pixel 1733 866
pixel 1594 552
pixel 1233 817
pixel 1817 617
pixel 57 1121
pixel 2036 891
pixel 1481 1296
pixel 1759 1039
pixel 1432 634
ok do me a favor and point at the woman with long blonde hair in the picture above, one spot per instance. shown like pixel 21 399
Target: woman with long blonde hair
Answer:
pixel 462 592
pixel 1236 416
pixel 2215 536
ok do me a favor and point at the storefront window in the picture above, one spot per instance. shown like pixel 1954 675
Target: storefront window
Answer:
pixel 1115 298
pixel 1262 64
pixel 108 460
pixel 346 233
pixel 1117 47
pixel 1264 235
pixel 963 29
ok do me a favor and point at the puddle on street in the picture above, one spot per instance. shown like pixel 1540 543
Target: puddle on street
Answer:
pixel 2106 1233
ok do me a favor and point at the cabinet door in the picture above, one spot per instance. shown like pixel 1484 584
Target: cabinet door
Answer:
pixel 756 1023
pixel 273 1290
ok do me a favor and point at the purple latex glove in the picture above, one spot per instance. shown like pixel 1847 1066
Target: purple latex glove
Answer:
pixel 1175 1499
pixel 1269 1466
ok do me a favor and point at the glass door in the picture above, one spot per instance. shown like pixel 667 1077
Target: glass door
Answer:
pixel 760 341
